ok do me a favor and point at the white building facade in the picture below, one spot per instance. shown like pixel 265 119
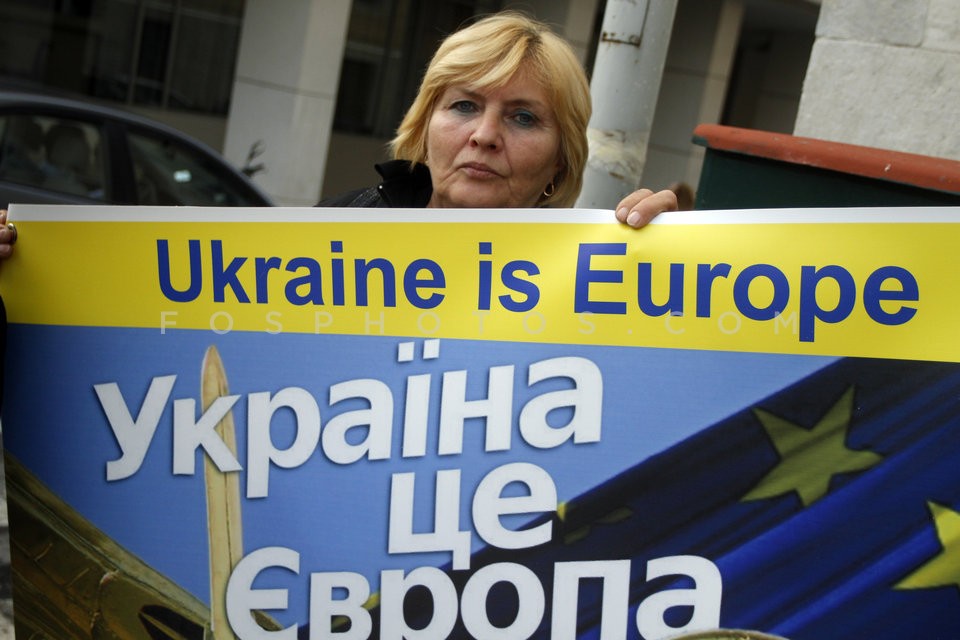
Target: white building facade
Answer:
pixel 310 90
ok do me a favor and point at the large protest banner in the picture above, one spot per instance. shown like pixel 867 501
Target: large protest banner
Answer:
pixel 348 424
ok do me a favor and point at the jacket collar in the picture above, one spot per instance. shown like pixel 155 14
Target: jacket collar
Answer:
pixel 405 184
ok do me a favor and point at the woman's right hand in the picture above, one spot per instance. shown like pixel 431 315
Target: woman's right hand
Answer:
pixel 7 236
pixel 643 205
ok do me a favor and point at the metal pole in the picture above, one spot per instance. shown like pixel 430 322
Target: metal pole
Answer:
pixel 625 85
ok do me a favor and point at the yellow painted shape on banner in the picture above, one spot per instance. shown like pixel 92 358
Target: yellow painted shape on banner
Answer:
pixel 836 288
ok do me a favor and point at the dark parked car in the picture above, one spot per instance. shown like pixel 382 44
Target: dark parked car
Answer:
pixel 58 150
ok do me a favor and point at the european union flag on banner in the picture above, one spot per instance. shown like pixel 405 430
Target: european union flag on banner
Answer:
pixel 831 508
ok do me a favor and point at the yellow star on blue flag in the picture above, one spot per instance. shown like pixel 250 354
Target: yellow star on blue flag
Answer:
pixel 810 458
pixel 942 570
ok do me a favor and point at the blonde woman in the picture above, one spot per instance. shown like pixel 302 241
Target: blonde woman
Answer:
pixel 500 121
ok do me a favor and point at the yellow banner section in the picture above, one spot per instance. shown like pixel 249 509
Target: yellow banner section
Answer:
pixel 888 290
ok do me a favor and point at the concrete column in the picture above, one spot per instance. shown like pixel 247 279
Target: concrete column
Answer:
pixel 695 80
pixel 288 71
pixel 626 82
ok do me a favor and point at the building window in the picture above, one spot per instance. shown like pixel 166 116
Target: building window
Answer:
pixel 389 43
pixel 175 54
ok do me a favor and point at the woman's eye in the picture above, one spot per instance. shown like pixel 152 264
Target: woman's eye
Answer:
pixel 525 118
pixel 464 106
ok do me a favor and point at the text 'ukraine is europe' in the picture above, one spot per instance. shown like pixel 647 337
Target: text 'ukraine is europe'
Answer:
pixel 603 285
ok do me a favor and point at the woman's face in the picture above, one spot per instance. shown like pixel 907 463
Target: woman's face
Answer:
pixel 492 148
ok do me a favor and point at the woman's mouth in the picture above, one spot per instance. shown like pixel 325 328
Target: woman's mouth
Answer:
pixel 478 170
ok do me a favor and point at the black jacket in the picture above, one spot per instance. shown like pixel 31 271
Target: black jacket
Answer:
pixel 404 185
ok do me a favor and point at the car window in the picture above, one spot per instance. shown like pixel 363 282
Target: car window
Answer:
pixel 52 153
pixel 170 173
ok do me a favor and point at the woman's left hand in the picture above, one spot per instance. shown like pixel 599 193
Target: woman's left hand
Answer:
pixel 7 236
pixel 643 205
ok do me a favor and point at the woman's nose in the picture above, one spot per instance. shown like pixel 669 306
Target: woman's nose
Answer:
pixel 487 133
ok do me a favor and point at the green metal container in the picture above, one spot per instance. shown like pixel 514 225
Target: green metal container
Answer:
pixel 749 169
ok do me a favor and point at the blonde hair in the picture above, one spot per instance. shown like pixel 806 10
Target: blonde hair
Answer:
pixel 487 54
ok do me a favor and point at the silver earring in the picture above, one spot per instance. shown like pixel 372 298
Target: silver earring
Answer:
pixel 550 190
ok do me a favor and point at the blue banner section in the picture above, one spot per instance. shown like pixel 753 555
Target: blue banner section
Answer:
pixel 651 400
pixel 824 491
pixel 847 543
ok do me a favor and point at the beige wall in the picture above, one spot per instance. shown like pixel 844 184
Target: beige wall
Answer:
pixel 885 73
pixel 695 80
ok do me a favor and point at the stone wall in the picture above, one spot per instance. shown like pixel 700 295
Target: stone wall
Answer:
pixel 885 73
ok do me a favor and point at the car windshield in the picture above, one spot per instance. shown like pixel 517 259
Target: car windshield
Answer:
pixel 168 173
